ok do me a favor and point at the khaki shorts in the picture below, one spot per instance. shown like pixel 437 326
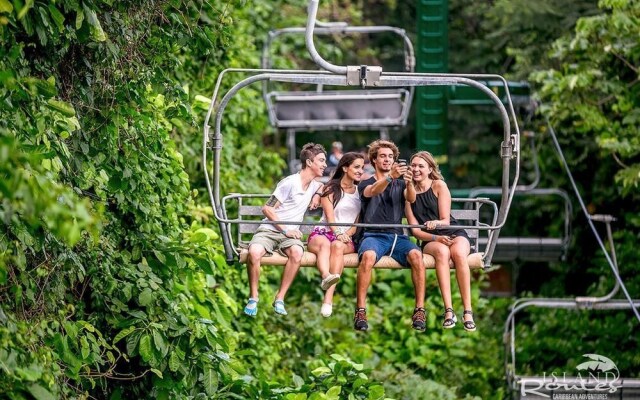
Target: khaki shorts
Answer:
pixel 274 241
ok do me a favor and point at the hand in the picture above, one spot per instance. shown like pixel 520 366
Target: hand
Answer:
pixel 398 170
pixel 344 238
pixel 315 202
pixel 431 225
pixel 408 177
pixel 446 240
pixel 293 234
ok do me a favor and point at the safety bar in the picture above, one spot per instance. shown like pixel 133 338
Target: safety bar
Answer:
pixel 239 197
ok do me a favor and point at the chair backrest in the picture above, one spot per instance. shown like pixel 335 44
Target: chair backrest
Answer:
pixel 468 217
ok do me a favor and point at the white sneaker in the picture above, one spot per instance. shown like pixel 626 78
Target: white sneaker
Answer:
pixel 326 310
pixel 329 281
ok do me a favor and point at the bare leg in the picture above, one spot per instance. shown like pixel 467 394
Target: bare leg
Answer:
pixel 459 252
pixel 441 254
pixel 364 277
pixel 290 269
pixel 338 250
pixel 256 252
pixel 321 247
pixel 417 276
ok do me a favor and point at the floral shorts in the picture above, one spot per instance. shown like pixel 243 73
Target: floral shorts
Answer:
pixel 328 233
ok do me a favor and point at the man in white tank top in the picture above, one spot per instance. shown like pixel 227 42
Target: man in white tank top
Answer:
pixel 289 201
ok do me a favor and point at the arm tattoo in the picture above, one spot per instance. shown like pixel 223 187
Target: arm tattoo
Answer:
pixel 272 201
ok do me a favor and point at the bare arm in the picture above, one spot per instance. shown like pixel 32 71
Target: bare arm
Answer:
pixel 327 207
pixel 269 211
pixel 411 219
pixel 410 191
pixel 381 184
pixel 376 188
pixel 316 199
pixel 444 202
pixel 352 230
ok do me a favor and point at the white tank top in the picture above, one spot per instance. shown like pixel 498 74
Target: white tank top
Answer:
pixel 347 209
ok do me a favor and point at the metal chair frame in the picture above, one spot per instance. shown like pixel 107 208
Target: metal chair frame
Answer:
pixel 365 76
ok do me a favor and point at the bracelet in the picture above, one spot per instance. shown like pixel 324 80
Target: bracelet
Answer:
pixel 340 231
pixel 388 179
pixel 284 232
pixel 433 237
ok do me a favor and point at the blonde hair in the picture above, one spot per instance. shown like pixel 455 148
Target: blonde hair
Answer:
pixel 381 143
pixel 428 158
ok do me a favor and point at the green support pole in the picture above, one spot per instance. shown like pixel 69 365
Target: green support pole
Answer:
pixel 431 103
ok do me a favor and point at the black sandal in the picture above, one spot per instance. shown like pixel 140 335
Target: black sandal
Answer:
pixel 469 326
pixel 449 323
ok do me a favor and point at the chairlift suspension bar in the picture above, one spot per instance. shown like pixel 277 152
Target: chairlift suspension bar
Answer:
pixel 410 59
pixel 312 12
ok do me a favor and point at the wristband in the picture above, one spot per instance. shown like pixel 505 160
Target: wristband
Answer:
pixel 283 232
pixel 433 237
pixel 388 179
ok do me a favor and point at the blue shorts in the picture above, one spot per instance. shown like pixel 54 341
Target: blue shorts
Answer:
pixel 387 244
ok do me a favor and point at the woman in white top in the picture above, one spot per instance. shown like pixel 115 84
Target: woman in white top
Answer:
pixel 340 204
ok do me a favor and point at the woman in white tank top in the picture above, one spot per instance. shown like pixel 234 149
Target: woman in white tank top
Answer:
pixel 340 204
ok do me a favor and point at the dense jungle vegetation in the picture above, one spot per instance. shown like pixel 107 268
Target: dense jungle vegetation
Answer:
pixel 112 279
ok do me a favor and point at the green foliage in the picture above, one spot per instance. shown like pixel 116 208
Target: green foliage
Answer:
pixel 593 91
pixel 112 278
pixel 102 247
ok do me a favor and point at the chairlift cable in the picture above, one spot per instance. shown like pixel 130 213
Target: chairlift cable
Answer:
pixel 587 215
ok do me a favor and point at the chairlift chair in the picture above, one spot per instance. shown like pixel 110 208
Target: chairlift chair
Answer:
pixel 366 77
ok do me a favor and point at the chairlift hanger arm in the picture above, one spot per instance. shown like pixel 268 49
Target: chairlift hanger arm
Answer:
pixel 343 28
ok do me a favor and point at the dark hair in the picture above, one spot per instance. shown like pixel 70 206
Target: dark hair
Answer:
pixel 333 186
pixel 309 152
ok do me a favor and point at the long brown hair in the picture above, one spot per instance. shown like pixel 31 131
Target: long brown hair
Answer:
pixel 435 174
pixel 333 186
